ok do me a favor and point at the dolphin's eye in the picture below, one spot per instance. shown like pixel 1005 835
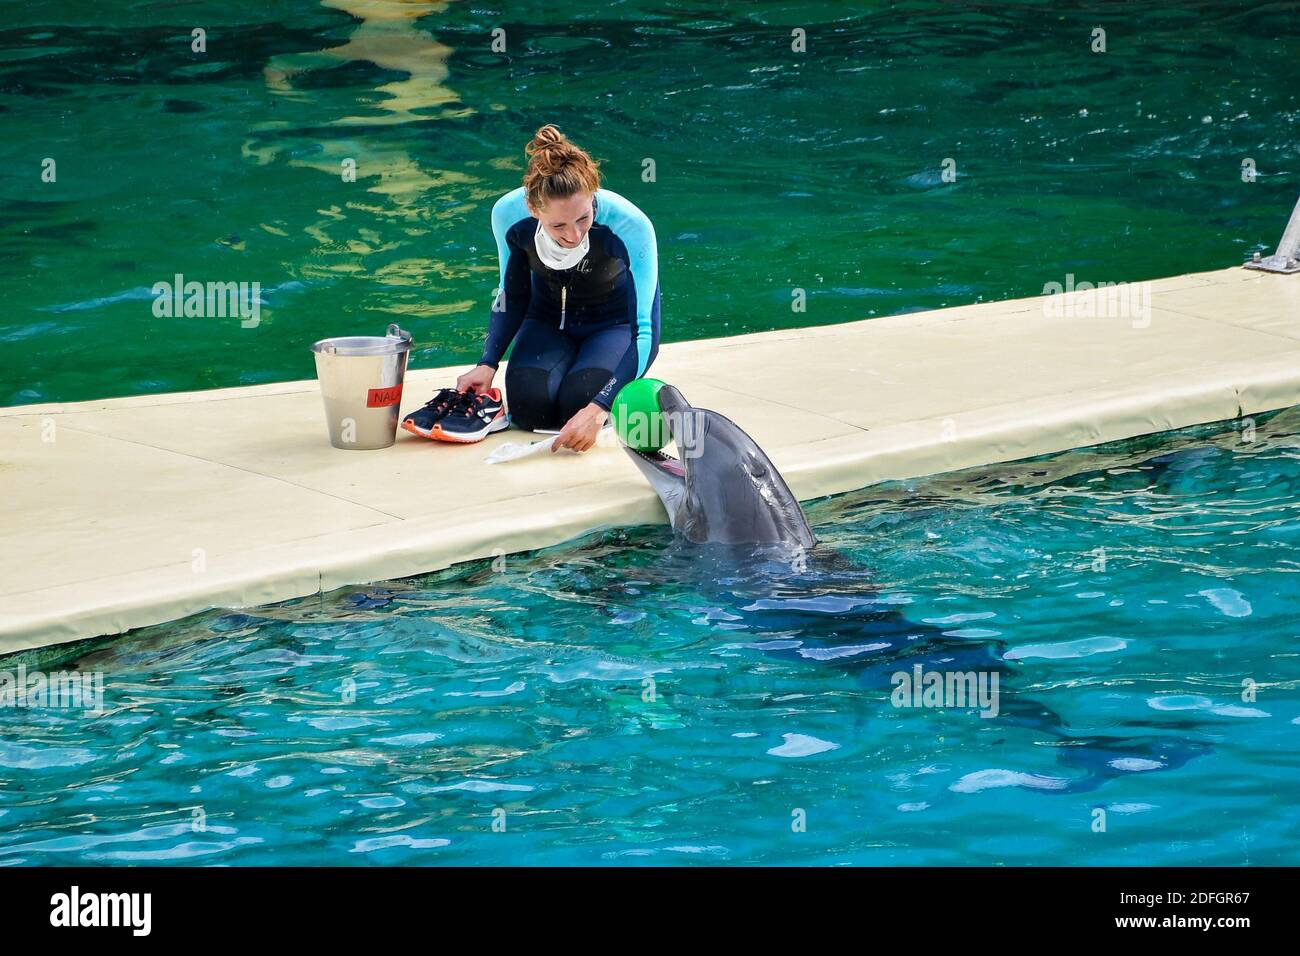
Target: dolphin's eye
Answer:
pixel 756 467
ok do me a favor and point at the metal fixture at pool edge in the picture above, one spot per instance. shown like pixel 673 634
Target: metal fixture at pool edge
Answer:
pixel 361 384
pixel 1287 257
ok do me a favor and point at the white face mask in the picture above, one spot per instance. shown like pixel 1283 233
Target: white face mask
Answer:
pixel 556 256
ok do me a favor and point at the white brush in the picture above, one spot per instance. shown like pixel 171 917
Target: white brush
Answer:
pixel 513 450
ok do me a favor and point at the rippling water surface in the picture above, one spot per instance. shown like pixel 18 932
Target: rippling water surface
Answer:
pixel 774 170
pixel 631 699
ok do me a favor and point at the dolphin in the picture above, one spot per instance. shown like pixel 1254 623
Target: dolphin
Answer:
pixel 724 489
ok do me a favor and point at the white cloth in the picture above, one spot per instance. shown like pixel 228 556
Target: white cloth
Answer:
pixel 556 256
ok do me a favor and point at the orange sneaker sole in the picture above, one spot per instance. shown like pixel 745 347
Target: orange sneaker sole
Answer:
pixel 438 434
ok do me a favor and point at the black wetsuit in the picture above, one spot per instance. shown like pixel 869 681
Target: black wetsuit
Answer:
pixel 579 334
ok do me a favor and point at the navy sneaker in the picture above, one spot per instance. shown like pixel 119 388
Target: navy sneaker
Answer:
pixel 473 418
pixel 422 421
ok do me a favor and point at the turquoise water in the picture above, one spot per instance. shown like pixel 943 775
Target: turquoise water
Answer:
pixel 1121 595
pixel 774 170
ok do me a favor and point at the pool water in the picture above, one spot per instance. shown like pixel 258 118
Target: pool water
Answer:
pixel 774 170
pixel 632 699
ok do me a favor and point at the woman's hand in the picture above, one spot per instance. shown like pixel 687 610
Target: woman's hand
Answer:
pixel 477 379
pixel 581 431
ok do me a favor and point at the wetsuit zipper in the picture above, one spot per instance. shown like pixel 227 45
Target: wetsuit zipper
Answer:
pixel 564 300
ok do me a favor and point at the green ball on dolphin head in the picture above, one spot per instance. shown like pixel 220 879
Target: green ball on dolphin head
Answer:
pixel 638 420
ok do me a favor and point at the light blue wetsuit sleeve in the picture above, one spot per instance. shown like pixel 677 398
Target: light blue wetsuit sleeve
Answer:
pixel 637 234
pixel 515 289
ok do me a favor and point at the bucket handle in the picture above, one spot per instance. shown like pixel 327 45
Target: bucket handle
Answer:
pixel 394 331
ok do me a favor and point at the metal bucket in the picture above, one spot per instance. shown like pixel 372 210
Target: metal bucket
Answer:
pixel 361 382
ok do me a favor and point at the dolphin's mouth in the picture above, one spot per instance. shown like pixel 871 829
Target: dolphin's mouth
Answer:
pixel 664 462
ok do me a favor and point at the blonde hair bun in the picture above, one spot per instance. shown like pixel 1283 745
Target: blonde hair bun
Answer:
pixel 557 168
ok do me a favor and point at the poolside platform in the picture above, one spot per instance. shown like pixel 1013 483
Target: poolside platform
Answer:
pixel 128 512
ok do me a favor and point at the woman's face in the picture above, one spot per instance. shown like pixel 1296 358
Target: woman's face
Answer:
pixel 566 220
